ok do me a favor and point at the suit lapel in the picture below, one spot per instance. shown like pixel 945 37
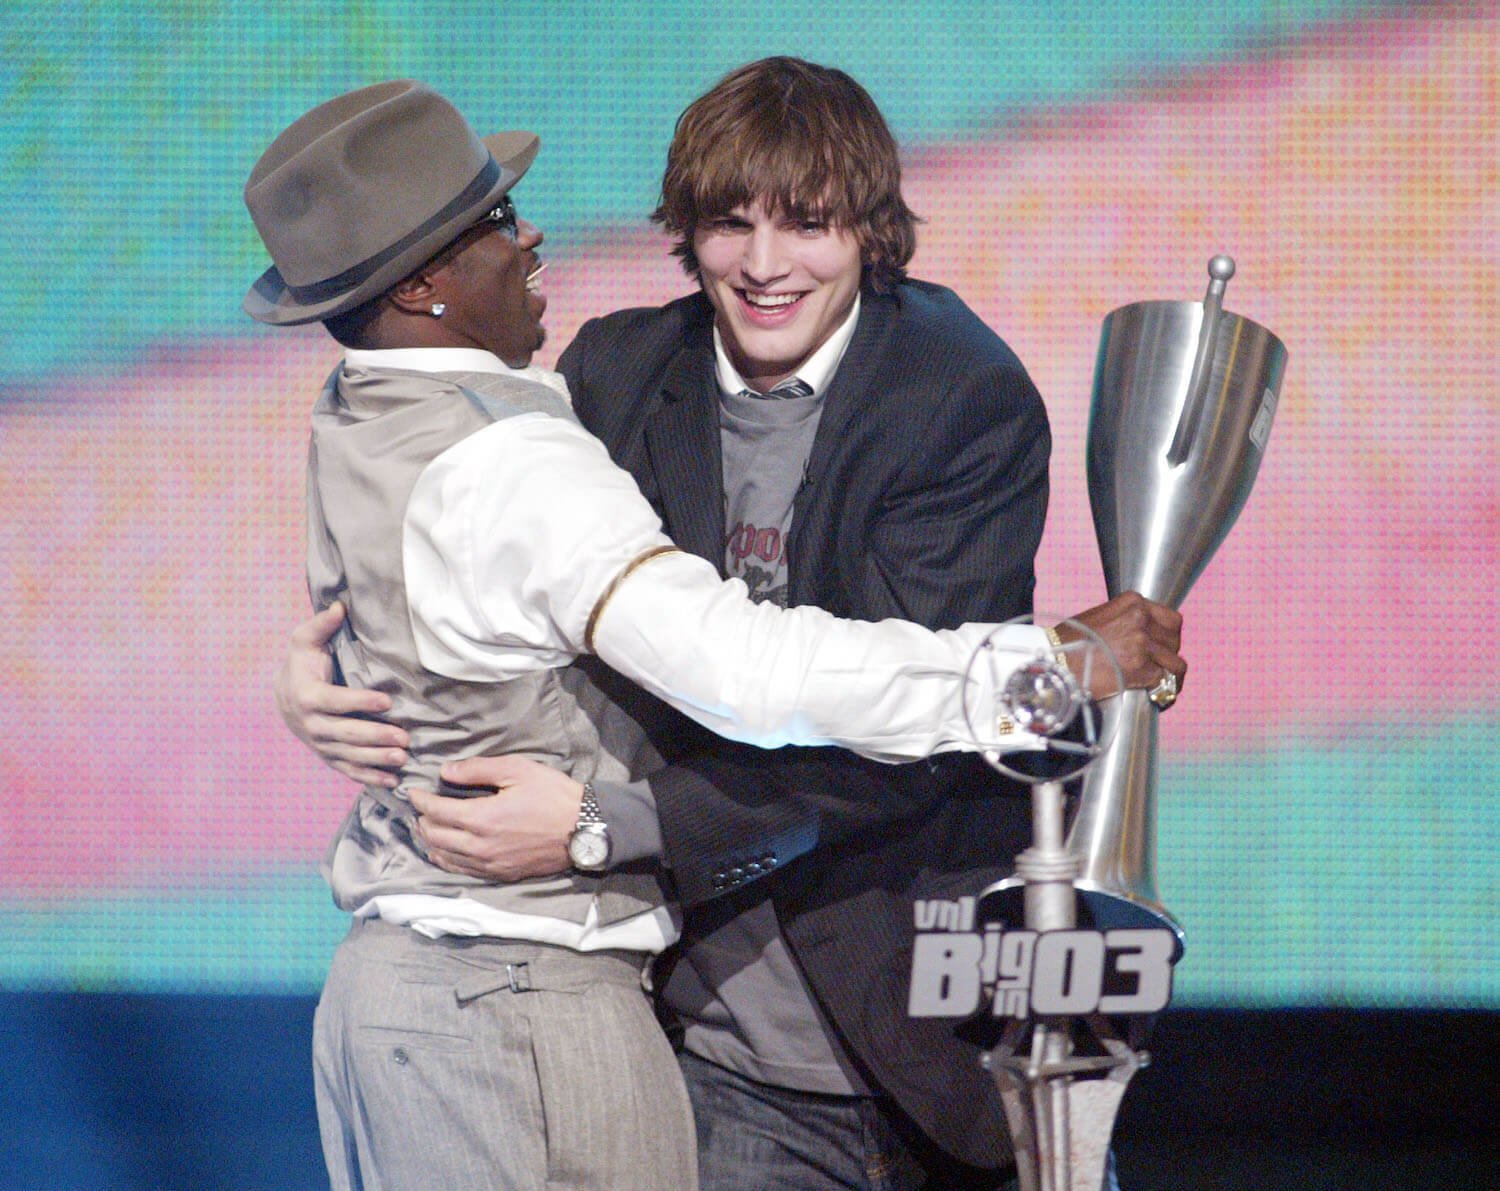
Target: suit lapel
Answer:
pixel 850 397
pixel 853 388
pixel 682 438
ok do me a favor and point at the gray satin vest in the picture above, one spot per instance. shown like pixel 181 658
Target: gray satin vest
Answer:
pixel 373 432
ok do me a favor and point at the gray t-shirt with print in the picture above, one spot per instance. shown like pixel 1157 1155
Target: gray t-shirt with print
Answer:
pixel 766 442
pixel 737 991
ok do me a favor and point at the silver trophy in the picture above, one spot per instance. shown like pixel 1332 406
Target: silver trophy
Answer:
pixel 1184 396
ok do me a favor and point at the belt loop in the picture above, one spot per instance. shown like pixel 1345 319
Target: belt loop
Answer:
pixel 520 978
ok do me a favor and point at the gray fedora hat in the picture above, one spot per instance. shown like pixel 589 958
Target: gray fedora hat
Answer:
pixel 363 190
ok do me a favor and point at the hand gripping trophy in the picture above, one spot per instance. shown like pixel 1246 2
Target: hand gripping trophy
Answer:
pixel 1184 395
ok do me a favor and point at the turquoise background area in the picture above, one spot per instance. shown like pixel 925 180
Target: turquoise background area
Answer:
pixel 127 129
pixel 1355 824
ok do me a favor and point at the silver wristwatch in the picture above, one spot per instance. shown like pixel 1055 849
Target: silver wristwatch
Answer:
pixel 589 845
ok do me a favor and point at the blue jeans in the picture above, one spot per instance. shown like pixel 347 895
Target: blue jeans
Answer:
pixel 779 1139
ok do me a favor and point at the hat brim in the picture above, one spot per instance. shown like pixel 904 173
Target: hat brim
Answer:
pixel 270 301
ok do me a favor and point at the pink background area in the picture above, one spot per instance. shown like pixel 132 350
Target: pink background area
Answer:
pixel 154 518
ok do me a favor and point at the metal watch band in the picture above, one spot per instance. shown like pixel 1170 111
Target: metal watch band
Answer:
pixel 588 807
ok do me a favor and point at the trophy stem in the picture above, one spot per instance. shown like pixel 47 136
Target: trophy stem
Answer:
pixel 1113 838
pixel 1060 1124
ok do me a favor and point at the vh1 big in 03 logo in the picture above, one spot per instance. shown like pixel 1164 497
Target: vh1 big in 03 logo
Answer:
pixel 962 965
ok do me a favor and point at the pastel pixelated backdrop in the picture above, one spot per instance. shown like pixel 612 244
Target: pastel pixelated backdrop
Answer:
pixel 1328 825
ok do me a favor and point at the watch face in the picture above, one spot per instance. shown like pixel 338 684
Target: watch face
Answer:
pixel 588 849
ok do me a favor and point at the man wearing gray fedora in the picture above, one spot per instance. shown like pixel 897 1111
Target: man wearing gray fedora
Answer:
pixel 390 220
pixel 474 1032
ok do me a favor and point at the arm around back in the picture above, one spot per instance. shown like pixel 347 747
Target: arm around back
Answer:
pixel 927 499
pixel 525 547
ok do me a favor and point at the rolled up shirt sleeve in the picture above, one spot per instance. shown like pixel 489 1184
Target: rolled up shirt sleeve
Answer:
pixel 524 547
pixel 510 537
pixel 774 676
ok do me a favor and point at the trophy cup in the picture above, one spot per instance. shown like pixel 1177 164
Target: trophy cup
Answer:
pixel 1184 396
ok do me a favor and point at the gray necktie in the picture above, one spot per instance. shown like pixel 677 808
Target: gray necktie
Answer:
pixel 785 391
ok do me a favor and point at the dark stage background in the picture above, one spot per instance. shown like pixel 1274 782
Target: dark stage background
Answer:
pixel 192 1093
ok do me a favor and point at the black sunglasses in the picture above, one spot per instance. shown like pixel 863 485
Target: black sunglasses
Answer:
pixel 503 217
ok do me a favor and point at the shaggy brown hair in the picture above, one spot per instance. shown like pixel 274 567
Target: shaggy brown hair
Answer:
pixel 808 142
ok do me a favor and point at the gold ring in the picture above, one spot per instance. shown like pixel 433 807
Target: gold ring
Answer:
pixel 1164 693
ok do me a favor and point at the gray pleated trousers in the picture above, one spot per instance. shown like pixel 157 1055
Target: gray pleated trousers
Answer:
pixel 493 1065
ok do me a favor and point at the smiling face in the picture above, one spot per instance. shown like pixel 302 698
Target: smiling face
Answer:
pixel 488 283
pixel 780 286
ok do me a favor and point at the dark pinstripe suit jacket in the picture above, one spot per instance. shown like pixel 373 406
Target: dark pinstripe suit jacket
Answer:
pixel 925 497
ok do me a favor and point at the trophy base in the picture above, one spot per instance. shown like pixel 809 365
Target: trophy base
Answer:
pixel 1061 1081
pixel 1098 909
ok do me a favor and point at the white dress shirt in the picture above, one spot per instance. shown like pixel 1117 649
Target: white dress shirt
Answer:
pixel 525 546
pixel 521 535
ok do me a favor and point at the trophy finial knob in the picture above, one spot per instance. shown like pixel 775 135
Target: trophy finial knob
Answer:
pixel 1220 270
